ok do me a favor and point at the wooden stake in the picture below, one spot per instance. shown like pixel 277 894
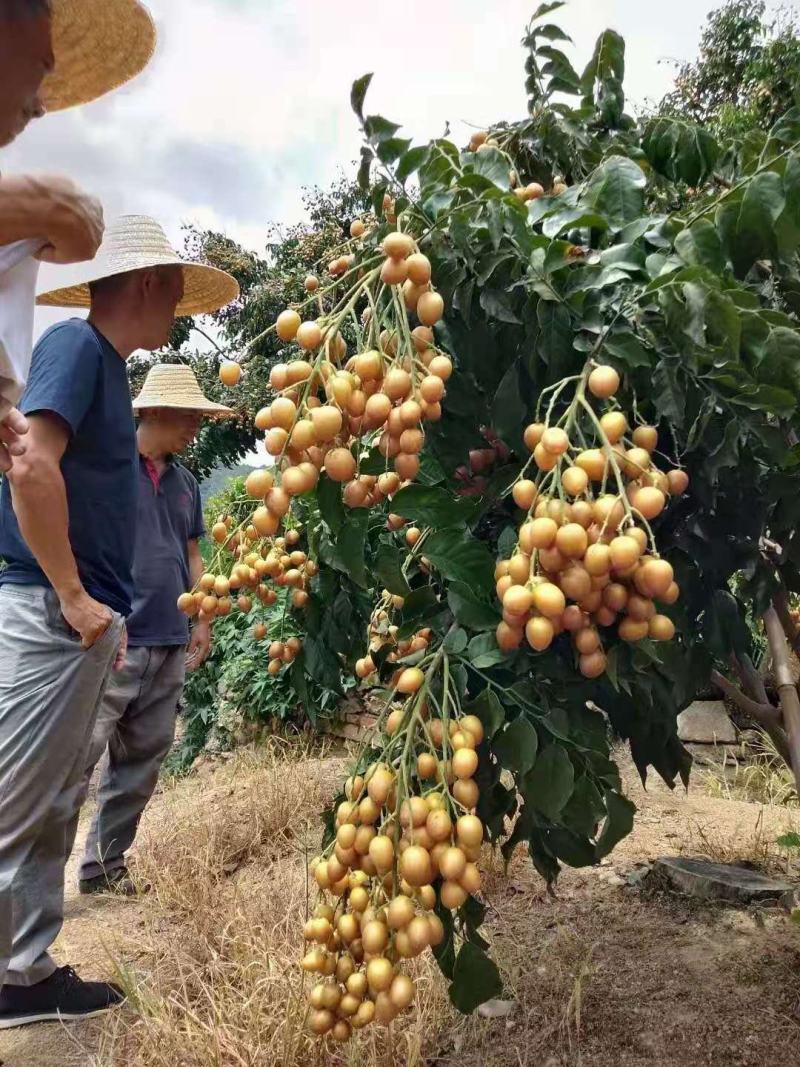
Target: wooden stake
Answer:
pixel 787 689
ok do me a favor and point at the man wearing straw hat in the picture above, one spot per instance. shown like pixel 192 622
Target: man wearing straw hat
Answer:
pixel 136 722
pixel 68 513
pixel 54 54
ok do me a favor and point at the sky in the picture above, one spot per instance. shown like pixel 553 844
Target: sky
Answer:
pixel 246 101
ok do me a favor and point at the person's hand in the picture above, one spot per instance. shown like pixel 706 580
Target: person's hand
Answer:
pixel 12 431
pixel 72 222
pixel 122 650
pixel 88 618
pixel 199 646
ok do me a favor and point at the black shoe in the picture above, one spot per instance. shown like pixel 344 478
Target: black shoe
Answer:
pixel 117 881
pixel 61 997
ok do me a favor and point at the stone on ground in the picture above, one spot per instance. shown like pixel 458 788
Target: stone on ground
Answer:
pixel 706 722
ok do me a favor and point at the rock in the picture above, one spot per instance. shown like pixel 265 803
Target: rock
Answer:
pixel 496 1009
pixel 706 721
pixel 716 881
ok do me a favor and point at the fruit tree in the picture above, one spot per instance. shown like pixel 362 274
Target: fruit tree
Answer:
pixel 544 401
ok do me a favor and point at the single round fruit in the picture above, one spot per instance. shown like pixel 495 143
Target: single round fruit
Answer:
pixel 540 633
pixel 465 763
pixel 469 831
pixel 524 494
pixel 646 437
pixel 452 895
pixel 430 309
pixel 287 325
pixel 340 465
pixel 415 866
pixel 410 680
pixel 549 600
pixel 678 482
pixel 401 992
pixel 398 245
pixel 603 382
pixel 661 628
pixel 380 974
pixel 614 425
pixel 593 664
pixel 230 372
pixel 381 852
pixel 555 441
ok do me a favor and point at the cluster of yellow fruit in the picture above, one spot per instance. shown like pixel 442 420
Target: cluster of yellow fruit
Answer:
pixel 585 557
pixel 328 407
pixel 392 858
pixel 480 141
pixel 259 563
pixel 382 631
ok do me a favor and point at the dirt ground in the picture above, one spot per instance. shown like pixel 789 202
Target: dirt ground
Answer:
pixel 601 974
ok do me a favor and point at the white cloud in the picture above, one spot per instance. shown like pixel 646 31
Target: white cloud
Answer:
pixel 246 101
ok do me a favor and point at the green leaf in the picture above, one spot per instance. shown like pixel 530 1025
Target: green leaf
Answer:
pixel 681 151
pixel 618 824
pixel 497 306
pixel 489 710
pixel 491 163
pixel 379 129
pixel 483 652
pixel 410 162
pixel 516 746
pixel 616 190
pixel 434 506
pixel 699 245
pixel 329 499
pixel 547 8
pixel 351 544
pixel 788 840
pixel 388 568
pixel 455 641
pixel 421 606
pixel 508 409
pixel 358 93
pixel 471 610
pixel 747 227
pixel 461 559
pixel 555 344
pixel 548 786
pixel 476 979
pixel 628 349
pixel 668 394
pixel 392 148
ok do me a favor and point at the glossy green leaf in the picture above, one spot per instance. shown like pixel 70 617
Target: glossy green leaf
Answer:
pixel 358 94
pixel 619 822
pixel 388 568
pixel 476 979
pixel 548 786
pixel 430 505
pixel 470 609
pixel 489 710
pixel 516 746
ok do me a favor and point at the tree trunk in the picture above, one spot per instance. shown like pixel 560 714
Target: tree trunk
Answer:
pixel 787 689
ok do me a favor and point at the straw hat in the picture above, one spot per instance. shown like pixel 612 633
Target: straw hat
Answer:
pixel 135 242
pixel 173 386
pixel 98 45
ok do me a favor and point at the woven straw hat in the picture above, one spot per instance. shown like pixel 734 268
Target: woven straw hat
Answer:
pixel 135 242
pixel 98 45
pixel 174 386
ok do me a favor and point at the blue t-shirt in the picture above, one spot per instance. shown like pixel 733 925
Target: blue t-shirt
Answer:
pixel 170 516
pixel 77 375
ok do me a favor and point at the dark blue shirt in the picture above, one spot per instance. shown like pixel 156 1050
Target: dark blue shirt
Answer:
pixel 170 516
pixel 77 375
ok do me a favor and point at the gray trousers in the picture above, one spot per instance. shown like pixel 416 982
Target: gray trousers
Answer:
pixel 50 692
pixel 136 724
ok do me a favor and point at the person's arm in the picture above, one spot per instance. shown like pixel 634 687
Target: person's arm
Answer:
pixel 39 498
pixel 68 221
pixel 200 642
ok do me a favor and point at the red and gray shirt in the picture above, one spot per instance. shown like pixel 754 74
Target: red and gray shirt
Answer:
pixel 170 515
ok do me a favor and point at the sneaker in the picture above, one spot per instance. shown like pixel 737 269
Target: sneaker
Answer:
pixel 61 997
pixel 117 881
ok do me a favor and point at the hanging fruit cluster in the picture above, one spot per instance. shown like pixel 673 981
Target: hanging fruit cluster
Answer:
pixel 330 410
pixel 586 561
pixel 406 840
pixel 382 631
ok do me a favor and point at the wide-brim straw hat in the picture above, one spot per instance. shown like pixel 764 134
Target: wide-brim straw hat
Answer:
pixel 136 242
pixel 98 45
pixel 173 386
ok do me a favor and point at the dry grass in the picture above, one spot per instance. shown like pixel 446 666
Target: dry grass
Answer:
pixel 762 778
pixel 218 985
pixel 597 975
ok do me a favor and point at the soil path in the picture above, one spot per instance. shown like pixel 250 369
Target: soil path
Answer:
pixel 658 982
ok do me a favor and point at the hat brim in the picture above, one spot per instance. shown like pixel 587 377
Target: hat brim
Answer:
pixel 206 289
pixel 209 408
pixel 98 46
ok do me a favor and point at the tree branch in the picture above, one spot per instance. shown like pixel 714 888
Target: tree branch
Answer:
pixel 787 690
pixel 765 714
